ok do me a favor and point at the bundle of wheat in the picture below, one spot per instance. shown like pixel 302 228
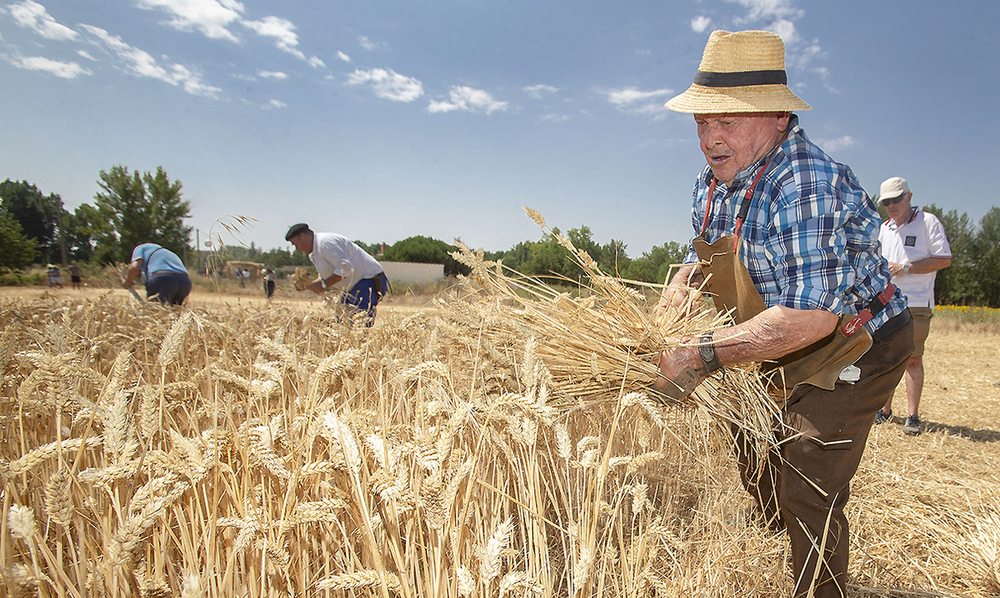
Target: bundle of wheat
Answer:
pixel 301 279
pixel 603 341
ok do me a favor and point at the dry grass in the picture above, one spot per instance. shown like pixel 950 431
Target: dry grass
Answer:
pixel 250 451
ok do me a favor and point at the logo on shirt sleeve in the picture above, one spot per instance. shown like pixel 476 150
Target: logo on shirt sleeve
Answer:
pixel 910 242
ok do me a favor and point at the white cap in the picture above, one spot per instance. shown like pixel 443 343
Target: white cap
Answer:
pixel 892 188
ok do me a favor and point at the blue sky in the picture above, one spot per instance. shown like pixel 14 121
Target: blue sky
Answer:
pixel 381 120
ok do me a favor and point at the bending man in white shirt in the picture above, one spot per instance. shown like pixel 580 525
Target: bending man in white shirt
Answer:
pixel 340 262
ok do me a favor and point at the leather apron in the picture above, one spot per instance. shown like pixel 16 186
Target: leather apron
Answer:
pixel 728 282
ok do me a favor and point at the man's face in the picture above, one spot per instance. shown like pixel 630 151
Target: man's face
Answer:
pixel 899 209
pixel 302 242
pixel 732 142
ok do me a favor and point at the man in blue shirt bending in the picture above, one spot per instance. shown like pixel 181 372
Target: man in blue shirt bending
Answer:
pixel 167 279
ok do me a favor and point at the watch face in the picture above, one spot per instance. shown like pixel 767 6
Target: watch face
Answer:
pixel 707 353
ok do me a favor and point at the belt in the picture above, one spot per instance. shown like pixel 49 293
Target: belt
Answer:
pixel 161 272
pixel 892 325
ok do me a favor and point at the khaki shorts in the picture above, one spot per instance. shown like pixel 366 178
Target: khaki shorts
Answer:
pixel 921 328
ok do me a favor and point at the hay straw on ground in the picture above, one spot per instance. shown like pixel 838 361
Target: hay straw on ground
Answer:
pixel 278 451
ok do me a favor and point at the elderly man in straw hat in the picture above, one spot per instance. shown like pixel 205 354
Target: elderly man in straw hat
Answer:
pixel 790 240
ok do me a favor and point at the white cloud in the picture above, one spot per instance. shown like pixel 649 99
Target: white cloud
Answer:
pixel 700 23
pixel 343 57
pixel 837 144
pixel 366 43
pixel 769 10
pixel 630 96
pixel 274 104
pixel 86 55
pixel 273 75
pixel 635 101
pixel 141 64
pixel 539 91
pixel 785 30
pixel 281 30
pixel 468 99
pixel 824 75
pixel 34 16
pixel 803 56
pixel 64 70
pixel 388 84
pixel 211 17
pixel 777 16
pixel 556 118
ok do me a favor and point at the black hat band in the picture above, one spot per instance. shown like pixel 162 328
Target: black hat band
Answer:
pixel 743 79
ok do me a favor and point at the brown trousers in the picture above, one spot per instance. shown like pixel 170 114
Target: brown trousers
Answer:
pixel 824 436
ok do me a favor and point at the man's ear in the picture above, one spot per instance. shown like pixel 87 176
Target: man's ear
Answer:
pixel 784 118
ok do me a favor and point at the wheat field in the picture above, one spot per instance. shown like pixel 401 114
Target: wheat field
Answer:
pixel 276 450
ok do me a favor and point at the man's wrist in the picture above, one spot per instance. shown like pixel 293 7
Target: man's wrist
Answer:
pixel 322 282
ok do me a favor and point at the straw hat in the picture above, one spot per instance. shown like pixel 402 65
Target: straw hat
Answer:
pixel 740 72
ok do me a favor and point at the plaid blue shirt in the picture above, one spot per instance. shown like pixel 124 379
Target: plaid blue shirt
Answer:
pixel 810 240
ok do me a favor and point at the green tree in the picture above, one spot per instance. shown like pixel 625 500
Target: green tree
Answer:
pixel 655 265
pixel 278 258
pixel 987 257
pixel 16 249
pixel 613 258
pixel 958 284
pixel 37 214
pixel 549 258
pixel 425 250
pixel 140 209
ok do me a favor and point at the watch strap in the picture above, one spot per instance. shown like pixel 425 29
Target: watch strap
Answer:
pixel 709 358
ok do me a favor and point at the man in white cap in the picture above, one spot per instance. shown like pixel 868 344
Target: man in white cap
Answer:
pixel 790 239
pixel 914 243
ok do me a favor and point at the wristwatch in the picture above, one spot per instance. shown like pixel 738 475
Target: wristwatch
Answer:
pixel 906 267
pixel 709 358
pixel 322 282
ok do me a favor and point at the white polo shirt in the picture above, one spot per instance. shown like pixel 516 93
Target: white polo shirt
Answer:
pixel 920 237
pixel 336 254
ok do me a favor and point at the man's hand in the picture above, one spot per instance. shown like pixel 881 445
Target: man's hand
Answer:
pixel 317 287
pixel 678 374
pixel 677 292
pixel 896 269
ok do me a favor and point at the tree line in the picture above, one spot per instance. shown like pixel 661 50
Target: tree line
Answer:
pixel 133 208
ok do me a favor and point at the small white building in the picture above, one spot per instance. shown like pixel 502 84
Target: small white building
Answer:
pixel 409 272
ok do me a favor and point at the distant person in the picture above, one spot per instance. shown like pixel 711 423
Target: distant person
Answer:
pixel 914 244
pixel 270 278
pixel 55 276
pixel 167 279
pixel 239 275
pixel 339 260
pixel 75 275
